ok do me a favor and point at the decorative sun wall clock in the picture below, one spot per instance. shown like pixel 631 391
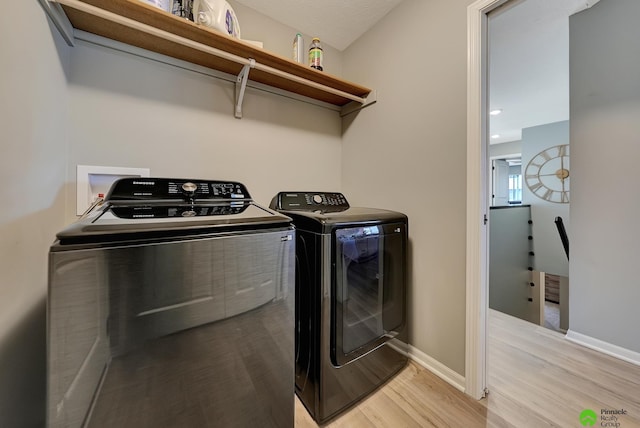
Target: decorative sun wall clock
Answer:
pixel 547 174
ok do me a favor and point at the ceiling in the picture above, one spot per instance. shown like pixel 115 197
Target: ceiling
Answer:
pixel 529 65
pixel 336 22
pixel 528 50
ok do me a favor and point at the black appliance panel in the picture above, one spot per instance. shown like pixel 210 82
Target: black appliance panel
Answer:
pixel 308 286
pixel 167 189
pixel 310 201
pixel 170 211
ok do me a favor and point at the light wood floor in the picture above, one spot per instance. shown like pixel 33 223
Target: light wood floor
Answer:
pixel 536 379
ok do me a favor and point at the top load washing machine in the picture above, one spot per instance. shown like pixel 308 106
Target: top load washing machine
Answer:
pixel 351 268
pixel 172 304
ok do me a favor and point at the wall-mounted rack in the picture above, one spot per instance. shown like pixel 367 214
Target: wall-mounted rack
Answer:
pixel 139 24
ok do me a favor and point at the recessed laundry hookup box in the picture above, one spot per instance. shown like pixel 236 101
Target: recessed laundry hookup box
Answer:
pixel 93 181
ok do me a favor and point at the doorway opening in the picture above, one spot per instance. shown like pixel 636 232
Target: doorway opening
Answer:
pixel 483 134
pixel 528 98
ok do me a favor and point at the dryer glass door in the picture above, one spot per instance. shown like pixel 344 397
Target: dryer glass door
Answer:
pixel 368 306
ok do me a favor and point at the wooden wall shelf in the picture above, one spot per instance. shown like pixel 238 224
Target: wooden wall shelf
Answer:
pixel 139 24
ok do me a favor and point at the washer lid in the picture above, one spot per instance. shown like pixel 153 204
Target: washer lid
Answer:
pixel 116 223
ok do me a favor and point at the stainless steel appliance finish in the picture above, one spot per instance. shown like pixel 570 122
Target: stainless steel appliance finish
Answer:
pixel 350 299
pixel 172 306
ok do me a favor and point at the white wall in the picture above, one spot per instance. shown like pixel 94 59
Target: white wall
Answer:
pixel 605 144
pixel 33 119
pixel 404 153
pixel 505 149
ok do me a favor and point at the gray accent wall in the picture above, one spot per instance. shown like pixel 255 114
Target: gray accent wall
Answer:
pixel 33 135
pixel 134 112
pixel 509 278
pixel 405 153
pixel 547 245
pixel 605 144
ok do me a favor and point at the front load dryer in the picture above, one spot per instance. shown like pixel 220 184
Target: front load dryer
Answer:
pixel 351 275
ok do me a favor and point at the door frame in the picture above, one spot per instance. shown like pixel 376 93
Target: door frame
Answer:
pixel 477 263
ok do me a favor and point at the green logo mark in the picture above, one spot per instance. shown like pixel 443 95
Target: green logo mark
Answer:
pixel 588 417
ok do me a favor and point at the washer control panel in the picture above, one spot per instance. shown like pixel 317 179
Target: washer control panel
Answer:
pixel 309 201
pixel 171 189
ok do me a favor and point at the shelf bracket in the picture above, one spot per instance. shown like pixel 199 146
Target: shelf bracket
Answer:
pixel 355 106
pixel 241 86
pixel 59 19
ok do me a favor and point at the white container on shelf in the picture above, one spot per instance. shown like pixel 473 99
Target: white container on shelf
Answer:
pixel 161 4
pixel 298 49
pixel 216 14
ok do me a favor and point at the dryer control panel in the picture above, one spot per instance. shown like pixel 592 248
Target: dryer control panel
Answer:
pixel 309 201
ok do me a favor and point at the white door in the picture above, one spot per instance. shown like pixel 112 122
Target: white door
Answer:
pixel 500 182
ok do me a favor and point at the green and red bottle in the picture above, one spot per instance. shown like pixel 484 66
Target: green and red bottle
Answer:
pixel 315 54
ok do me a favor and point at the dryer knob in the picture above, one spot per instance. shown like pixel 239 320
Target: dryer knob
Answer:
pixel 317 199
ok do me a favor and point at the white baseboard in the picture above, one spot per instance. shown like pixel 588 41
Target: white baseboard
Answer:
pixel 604 347
pixel 436 367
